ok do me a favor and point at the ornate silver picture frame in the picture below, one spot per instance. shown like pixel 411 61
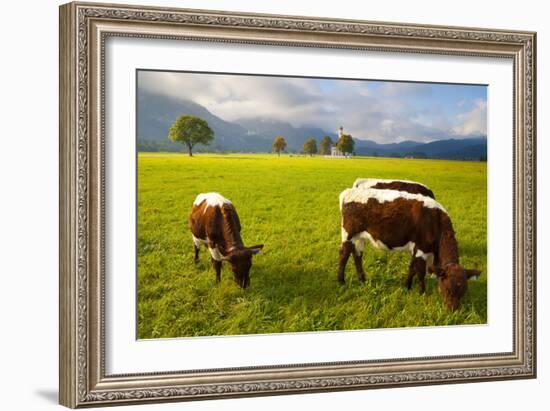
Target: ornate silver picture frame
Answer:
pixel 84 30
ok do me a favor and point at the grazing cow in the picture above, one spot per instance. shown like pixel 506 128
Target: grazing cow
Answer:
pixel 214 222
pixel 400 185
pixel 399 221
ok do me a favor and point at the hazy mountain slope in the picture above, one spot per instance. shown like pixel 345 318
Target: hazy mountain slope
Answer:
pixel 156 114
pixel 294 136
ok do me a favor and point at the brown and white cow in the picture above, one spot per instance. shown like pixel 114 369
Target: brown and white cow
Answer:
pixel 408 186
pixel 400 221
pixel 412 187
pixel 215 223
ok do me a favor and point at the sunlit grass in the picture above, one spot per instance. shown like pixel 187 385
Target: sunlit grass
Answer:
pixel 290 204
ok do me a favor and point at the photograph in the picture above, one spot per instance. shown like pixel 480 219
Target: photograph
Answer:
pixel 280 204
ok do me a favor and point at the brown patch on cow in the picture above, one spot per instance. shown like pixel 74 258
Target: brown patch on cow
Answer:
pixel 394 223
pixel 417 266
pixel 398 222
pixel 221 228
pixel 408 187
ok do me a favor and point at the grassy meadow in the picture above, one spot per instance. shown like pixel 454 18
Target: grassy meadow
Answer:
pixel 290 204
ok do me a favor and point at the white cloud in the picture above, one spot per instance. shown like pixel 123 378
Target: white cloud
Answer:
pixel 234 97
pixel 474 121
pixel 386 113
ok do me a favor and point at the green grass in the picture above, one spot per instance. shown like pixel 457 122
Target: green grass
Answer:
pixel 290 204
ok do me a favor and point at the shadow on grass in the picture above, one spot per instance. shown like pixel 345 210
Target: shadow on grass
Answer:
pixel 298 296
pixel 325 289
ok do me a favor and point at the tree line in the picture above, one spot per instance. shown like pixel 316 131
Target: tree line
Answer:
pixel 191 130
pixel 345 144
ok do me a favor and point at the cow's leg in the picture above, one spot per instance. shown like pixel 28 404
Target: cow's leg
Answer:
pixel 411 274
pixel 430 265
pixel 420 269
pixel 358 259
pixel 345 250
pixel 196 245
pixel 218 268
pixel 216 259
pixel 196 259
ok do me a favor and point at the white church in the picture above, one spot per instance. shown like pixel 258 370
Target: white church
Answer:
pixel 334 151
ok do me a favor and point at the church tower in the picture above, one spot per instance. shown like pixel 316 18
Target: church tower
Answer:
pixel 334 151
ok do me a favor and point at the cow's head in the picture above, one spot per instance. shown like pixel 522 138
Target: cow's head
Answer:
pixel 241 261
pixel 453 283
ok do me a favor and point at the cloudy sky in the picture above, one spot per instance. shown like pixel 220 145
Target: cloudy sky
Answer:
pixel 382 111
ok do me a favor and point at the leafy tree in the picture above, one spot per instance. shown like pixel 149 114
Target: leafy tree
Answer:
pixel 326 144
pixel 345 144
pixel 279 144
pixel 310 146
pixel 190 130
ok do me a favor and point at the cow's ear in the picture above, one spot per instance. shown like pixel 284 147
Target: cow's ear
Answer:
pixel 438 271
pixel 255 249
pixel 473 274
pixel 237 254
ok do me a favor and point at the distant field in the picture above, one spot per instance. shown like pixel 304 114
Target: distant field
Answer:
pixel 290 204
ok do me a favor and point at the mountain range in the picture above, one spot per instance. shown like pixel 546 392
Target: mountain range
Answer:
pixel 156 113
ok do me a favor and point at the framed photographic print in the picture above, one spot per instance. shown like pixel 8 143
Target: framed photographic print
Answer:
pixel 259 204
